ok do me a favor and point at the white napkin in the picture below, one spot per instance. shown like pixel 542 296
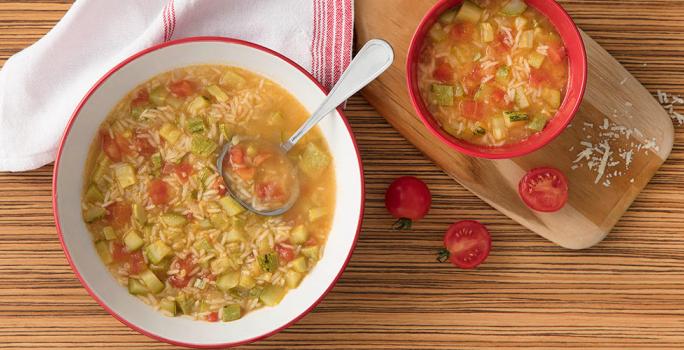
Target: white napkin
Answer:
pixel 41 85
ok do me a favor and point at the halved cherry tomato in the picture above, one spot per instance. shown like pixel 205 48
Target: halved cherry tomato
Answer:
pixel 185 267
pixel 407 199
pixel 158 191
pixel 443 72
pixel 544 189
pixel 144 147
pixel 286 254
pixel 462 31
pixel 212 317
pixel 182 88
pixel 471 109
pixel 110 148
pixel 118 214
pixel 136 263
pixel 467 244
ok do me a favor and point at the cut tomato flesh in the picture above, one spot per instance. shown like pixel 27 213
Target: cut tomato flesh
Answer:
pixel 468 243
pixel 544 189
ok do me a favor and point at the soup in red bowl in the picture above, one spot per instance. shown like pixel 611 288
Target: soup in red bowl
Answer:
pixel 496 78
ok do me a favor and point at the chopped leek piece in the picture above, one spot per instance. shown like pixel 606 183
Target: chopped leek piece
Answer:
pixel 487 32
pixel 443 95
pixel 293 278
pixel 218 93
pixel 299 235
pixel 93 194
pixel 313 161
pixel 125 175
pixel 268 262
pixel 272 295
pixel 233 80
pixel 537 124
pixel 93 214
pixel 169 133
pixel 157 251
pixel 311 252
pixel 514 8
pixel 151 281
pixel 102 248
pixel 174 220
pixel 299 264
pixel 228 281
pixel 109 233
pixel 469 12
pixel 230 313
pixel 136 287
pixel 202 146
pixel 516 116
pixel 230 206
pixel 536 60
pixel 133 241
pixel 195 125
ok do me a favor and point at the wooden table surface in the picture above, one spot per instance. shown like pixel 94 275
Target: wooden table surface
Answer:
pixel 627 292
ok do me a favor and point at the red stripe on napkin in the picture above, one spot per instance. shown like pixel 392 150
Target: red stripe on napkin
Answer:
pixel 332 40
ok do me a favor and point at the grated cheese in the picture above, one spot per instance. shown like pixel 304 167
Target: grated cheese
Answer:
pixel 673 104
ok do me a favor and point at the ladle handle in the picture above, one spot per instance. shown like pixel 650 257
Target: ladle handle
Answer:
pixel 373 59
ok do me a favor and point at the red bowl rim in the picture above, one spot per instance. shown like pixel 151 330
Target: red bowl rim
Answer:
pixel 66 134
pixel 577 76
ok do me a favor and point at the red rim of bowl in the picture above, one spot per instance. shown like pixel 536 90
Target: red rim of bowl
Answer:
pixel 577 81
pixel 66 134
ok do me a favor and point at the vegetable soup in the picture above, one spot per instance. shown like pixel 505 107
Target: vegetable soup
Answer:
pixel 158 210
pixel 492 72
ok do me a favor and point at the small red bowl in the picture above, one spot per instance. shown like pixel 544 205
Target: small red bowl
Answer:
pixel 577 82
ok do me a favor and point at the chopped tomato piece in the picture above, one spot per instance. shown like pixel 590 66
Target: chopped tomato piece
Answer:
pixel 184 275
pixel 136 263
pixel 182 170
pixel 143 97
pixel 219 186
pixel 124 144
pixel 110 148
pixel 556 53
pixel 499 98
pixel 462 31
pixel 269 191
pixel 237 155
pixel 182 88
pixel 212 317
pixel 119 253
pixel 143 146
pixel 246 173
pixel 286 254
pixel 158 191
pixel 537 77
pixel 119 214
pixel 473 80
pixel 443 72
pixel 471 109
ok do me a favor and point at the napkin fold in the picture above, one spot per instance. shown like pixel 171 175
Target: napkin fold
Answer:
pixel 41 86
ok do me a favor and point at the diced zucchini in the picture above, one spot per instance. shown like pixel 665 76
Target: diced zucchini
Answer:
pixel 233 80
pixel 246 281
pixel 174 220
pixel 458 90
pixel 136 287
pixel 156 161
pixel 521 98
pixel 157 251
pixel 272 295
pixel 170 133
pixel 139 213
pixel 299 264
pixel 479 131
pixel 93 194
pixel 228 281
pixel 437 33
pixel 185 303
pixel 447 17
pixel 231 312
pixel 553 97
pixel 102 248
pixel 310 252
pixel 469 12
pixel 133 241
pixel 234 235
pixel 268 261
pixel 218 93
pixel 537 124
pixel 219 265
pixel 514 116
pixel 94 214
pixel 317 213
pixel 313 161
pixel 487 32
pixel 174 101
pixel 526 39
pixel 520 22
pixel 299 235
pixel 293 278
pixel 219 221
pixel 443 95
pixel 198 104
pixel 125 175
pixel 202 146
pixel 514 8
pixel 502 75
pixel 158 95
pixel 498 128
pixel 230 206
pixel 168 305
pixel 100 170
pixel 109 233
pixel 195 125
pixel 203 244
pixel 536 60
pixel 151 281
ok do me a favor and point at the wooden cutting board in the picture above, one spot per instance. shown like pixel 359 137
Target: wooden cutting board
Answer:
pixel 614 102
